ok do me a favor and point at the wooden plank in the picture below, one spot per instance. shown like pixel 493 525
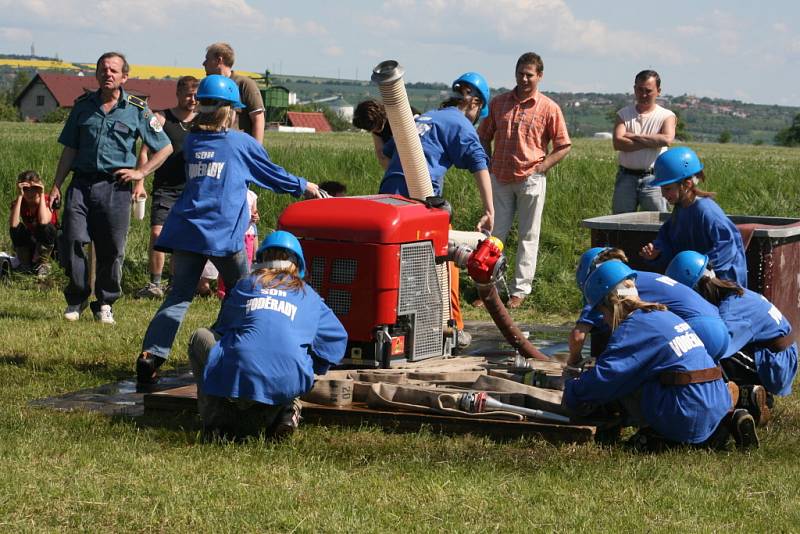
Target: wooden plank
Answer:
pixel 184 399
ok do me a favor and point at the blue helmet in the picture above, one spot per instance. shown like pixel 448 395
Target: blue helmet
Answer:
pixel 586 265
pixel 604 279
pixel 676 164
pixel 687 267
pixel 218 87
pixel 478 83
pixel 286 241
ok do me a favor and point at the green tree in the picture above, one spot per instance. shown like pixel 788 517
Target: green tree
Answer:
pixel 337 122
pixel 8 112
pixel 725 137
pixel 680 129
pixel 57 115
pixel 789 136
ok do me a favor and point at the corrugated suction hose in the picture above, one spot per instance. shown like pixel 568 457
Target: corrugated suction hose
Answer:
pixel 388 75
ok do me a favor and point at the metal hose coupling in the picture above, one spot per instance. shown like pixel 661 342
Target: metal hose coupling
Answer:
pixel 485 263
pixel 480 402
pixel 388 75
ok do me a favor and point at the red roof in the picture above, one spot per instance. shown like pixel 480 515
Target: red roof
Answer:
pixel 307 119
pixel 65 88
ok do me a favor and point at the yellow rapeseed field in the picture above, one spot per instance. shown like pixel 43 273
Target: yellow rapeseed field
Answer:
pixel 160 72
pixel 137 71
pixel 37 64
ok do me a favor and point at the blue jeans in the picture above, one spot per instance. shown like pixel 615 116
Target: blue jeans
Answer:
pixel 631 190
pixel 164 326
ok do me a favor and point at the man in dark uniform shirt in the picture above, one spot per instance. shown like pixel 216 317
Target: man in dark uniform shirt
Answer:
pixel 170 178
pixel 99 141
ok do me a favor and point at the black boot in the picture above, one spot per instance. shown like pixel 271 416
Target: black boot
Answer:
pixel 743 428
pixel 147 368
pixel 758 401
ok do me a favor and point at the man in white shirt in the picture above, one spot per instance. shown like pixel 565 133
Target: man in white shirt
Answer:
pixel 641 133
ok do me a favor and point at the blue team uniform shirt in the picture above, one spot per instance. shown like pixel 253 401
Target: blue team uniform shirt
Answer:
pixel 211 215
pixel 754 320
pixel 107 142
pixel 644 345
pixel 704 228
pixel 273 341
pixel 448 139
pixel 702 316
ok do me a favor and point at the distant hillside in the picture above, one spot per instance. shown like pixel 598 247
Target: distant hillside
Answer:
pixel 705 118
pixel 586 113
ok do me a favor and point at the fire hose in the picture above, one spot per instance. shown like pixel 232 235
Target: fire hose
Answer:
pixel 480 402
pixel 485 265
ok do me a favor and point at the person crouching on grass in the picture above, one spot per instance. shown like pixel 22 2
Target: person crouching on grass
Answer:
pixel 658 369
pixel 697 222
pixel 702 316
pixel 32 224
pixel 762 354
pixel 273 334
pixel 209 220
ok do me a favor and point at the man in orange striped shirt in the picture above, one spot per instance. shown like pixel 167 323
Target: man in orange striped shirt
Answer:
pixel 522 123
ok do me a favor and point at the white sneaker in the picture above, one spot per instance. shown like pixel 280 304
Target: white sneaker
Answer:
pixel 105 315
pixel 73 311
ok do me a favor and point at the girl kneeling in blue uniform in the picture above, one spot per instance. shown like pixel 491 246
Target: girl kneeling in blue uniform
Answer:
pixel 657 367
pixel 702 316
pixel 697 222
pixel 762 354
pixel 273 334
pixel 209 220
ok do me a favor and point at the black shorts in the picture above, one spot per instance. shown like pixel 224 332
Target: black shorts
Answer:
pixel 163 200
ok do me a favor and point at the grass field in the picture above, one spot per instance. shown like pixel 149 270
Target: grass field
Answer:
pixel 87 472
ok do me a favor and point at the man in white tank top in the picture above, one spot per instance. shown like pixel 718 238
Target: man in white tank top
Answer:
pixel 641 133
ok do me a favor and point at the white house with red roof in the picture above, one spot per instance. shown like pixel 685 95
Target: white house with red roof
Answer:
pixel 47 92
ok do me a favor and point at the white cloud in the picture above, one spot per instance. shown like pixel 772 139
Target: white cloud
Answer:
pixel 284 25
pixel 378 25
pixel 290 26
pixel 511 25
pixel 111 17
pixel 314 28
pixel 392 5
pixel 690 30
pixel 371 53
pixel 333 51
pixel 16 35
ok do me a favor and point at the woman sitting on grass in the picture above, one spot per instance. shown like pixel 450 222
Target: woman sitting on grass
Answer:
pixel 658 369
pixel 209 220
pixel 274 334
pixel 697 222
pixel 762 354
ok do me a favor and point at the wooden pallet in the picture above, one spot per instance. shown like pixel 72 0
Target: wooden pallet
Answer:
pixel 184 399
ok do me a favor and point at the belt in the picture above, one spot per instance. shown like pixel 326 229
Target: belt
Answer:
pixel 683 378
pixel 779 344
pixel 95 176
pixel 636 172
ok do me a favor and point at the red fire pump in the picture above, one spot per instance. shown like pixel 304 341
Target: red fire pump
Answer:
pixel 380 264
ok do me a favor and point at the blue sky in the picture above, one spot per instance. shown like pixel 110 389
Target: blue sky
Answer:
pixel 744 50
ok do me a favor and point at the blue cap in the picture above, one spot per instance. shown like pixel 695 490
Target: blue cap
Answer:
pixel 286 241
pixel 218 87
pixel 676 164
pixel 604 279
